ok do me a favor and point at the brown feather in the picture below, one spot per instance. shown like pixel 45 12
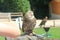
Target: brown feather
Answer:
pixel 28 22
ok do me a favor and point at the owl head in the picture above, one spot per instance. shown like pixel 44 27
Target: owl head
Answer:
pixel 29 15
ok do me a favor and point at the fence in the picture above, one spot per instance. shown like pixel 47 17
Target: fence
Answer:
pixel 51 23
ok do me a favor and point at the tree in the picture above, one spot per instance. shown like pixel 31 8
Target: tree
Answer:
pixel 10 6
pixel 1 4
pixel 24 5
pixel 40 8
pixel 15 6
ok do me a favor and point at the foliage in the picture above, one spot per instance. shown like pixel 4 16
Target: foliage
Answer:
pixel 40 8
pixel 14 5
pixel 9 6
pixel 24 5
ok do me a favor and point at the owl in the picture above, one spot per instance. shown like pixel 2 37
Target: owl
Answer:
pixel 29 22
pixel 43 21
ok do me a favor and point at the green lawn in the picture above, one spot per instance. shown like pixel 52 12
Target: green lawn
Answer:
pixel 55 32
pixel 2 38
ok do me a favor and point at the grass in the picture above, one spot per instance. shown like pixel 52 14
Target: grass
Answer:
pixel 54 31
pixel 2 38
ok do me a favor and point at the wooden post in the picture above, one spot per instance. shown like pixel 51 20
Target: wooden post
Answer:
pixel 54 23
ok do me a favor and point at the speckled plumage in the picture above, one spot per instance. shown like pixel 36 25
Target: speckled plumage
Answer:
pixel 29 22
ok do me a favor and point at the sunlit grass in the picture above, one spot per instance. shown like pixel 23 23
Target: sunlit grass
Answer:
pixel 2 38
pixel 55 32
